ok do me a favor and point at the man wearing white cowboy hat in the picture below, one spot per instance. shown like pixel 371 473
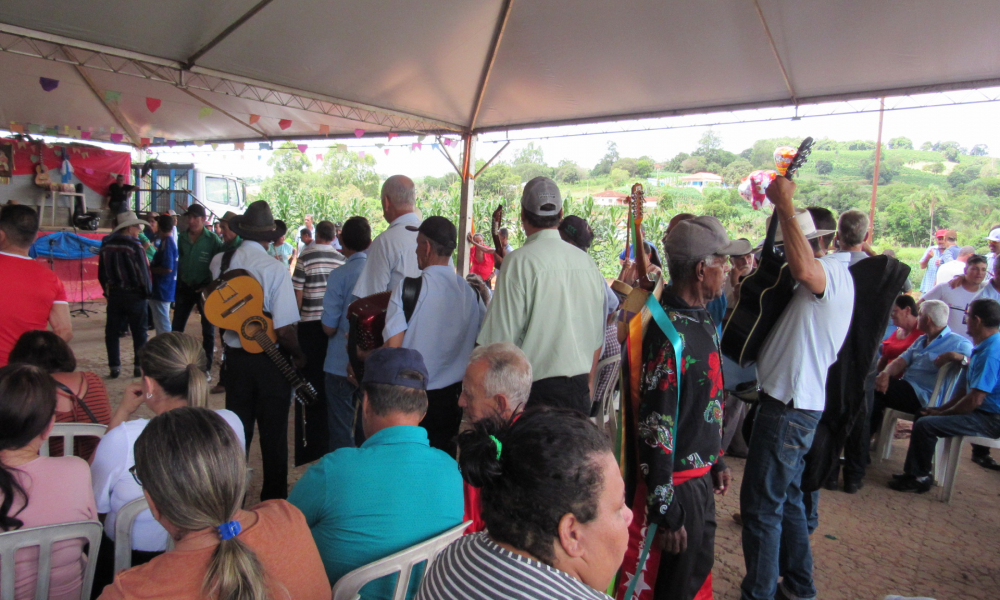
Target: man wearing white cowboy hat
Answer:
pixel 993 239
pixel 255 388
pixel 791 373
pixel 123 272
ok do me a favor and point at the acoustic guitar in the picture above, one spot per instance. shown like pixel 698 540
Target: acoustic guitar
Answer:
pixel 42 178
pixel 765 293
pixel 235 302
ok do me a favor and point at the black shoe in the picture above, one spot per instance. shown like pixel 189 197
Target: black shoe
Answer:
pixel 115 372
pixel 137 372
pixel 852 487
pixel 831 484
pixel 899 476
pixel 986 461
pixel 915 484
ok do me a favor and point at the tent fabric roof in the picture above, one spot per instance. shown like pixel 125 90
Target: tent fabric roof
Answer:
pixel 457 66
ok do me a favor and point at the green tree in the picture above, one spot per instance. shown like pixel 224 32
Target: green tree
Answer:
pixel 934 167
pixel 926 146
pixel 567 172
pixel 890 167
pixel 288 158
pixel 619 177
pixel 610 158
pixel 676 162
pixel 342 168
pixel 695 164
pixel 498 181
pixel 824 167
pixel 963 174
pixel 628 164
pixel 901 143
pixel 979 150
pixel 644 166
pixel 735 171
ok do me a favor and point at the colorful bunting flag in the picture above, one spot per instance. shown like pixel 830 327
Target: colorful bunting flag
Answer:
pixel 85 135
pixel 239 146
pixel 254 119
pixel 324 130
pixel 159 140
pixel 264 146
pixel 435 146
pixel 204 111
pixel 111 96
pixel 152 104
pixel 199 143
pixel 285 124
pixel 144 141
pixel 32 128
pixel 48 84
pixel 361 154
pixel 359 132
pixel 171 143
pixel 392 135
pixel 379 146
pixel 16 128
pixel 341 147
pixel 420 138
pixel 215 146
pixel 319 156
pixel 447 142
pixel 116 137
pixel 303 148
pixel 386 152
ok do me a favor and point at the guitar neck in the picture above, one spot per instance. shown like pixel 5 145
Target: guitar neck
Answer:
pixel 278 359
pixel 641 264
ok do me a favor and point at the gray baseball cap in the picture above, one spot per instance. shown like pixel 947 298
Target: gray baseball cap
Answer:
pixel 701 236
pixel 541 197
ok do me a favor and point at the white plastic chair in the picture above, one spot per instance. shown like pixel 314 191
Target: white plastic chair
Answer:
pixel 607 398
pixel 944 388
pixel 952 452
pixel 402 562
pixel 44 538
pixel 69 432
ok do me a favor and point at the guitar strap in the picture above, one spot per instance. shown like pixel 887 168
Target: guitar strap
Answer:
pixel 227 257
pixel 411 291
pixel 677 343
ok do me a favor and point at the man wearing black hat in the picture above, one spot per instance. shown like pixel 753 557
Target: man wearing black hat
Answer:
pixel 255 388
pixel 445 320
pixel 123 271
pixel 195 250
pixel 549 301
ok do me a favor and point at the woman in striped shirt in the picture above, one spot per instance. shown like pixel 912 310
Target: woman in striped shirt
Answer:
pixel 554 505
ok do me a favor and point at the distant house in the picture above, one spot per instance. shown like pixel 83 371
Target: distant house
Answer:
pixel 613 198
pixel 701 180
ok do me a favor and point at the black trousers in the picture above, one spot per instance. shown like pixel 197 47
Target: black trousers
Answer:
pixel 899 396
pixel 124 310
pixel 858 440
pixel 682 575
pixel 562 392
pixel 185 299
pixel 258 393
pixel 444 417
pixel 313 343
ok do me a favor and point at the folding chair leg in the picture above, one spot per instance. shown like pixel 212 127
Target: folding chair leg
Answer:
pixel 952 453
pixel 885 436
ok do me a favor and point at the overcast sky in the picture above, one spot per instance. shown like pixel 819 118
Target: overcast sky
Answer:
pixel 968 124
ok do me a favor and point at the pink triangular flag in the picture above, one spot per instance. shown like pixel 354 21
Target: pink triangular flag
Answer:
pixel 392 135
pixel 254 119
pixel 319 156
pixel 359 132
pixel 285 123
pixel 324 130
pixel 361 154
pixel 387 152
pixel 152 104
pixel 303 148
pixel 85 134
pixel 447 142
pixel 238 146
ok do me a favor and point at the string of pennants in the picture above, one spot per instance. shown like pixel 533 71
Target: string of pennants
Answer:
pixel 153 104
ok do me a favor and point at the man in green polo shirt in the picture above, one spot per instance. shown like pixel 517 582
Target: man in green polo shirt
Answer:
pixel 196 247
pixel 549 302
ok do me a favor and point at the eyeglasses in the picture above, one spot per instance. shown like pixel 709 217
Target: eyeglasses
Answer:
pixel 131 470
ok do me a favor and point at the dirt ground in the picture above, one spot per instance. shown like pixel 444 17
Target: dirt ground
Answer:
pixel 874 543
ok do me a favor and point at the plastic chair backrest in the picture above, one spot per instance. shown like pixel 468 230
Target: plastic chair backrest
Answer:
pixel 944 386
pixel 402 562
pixel 124 521
pixel 43 538
pixel 69 432
pixel 608 391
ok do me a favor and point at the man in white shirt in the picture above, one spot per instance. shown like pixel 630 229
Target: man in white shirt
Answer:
pixel 442 327
pixel 993 239
pixel 392 255
pixel 256 390
pixel 960 296
pixel 791 371
pixel 954 268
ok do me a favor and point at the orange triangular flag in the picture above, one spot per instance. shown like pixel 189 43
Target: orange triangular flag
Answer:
pixel 254 119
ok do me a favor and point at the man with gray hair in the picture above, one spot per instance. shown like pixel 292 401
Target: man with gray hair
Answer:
pixel 678 419
pixel 906 384
pixel 392 255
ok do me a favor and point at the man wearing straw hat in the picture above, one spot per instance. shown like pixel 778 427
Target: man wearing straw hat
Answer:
pixel 123 272
pixel 255 388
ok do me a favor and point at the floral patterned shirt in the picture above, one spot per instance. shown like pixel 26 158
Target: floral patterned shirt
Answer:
pixel 676 438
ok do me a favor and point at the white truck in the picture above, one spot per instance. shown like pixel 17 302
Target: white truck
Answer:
pixel 174 186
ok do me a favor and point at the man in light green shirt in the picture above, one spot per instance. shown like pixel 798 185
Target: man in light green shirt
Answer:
pixel 549 302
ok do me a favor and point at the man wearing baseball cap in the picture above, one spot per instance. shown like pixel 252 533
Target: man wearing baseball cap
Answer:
pixel 442 327
pixel 934 258
pixel 363 504
pixel 993 239
pixel 195 249
pixel 550 302
pixel 123 271
pixel 680 450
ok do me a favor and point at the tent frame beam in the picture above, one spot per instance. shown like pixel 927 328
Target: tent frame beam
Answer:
pixel 28 42
pixel 226 33
pixel 111 107
pixel 491 58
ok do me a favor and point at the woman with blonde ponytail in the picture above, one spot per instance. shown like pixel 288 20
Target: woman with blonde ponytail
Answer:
pixel 173 376
pixel 192 468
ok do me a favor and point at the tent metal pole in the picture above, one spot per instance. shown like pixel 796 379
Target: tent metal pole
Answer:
pixel 465 208
pixel 226 32
pixel 878 160
pixel 774 49
pixel 490 161
pixel 112 109
pixel 490 59
pixel 447 155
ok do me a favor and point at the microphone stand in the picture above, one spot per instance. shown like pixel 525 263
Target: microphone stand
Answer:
pixel 82 311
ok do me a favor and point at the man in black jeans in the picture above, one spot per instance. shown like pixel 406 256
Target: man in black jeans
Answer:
pixel 124 276
pixel 195 248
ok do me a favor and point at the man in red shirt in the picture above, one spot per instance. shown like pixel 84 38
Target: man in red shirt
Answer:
pixel 32 295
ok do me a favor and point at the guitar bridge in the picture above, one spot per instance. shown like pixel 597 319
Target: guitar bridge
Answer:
pixel 236 306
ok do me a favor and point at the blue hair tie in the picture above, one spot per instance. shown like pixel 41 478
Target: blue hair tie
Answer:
pixel 228 531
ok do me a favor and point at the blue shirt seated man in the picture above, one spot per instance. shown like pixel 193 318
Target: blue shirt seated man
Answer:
pixel 976 412
pixel 918 365
pixel 395 491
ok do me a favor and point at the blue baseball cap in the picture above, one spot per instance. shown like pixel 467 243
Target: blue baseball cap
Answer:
pixel 387 366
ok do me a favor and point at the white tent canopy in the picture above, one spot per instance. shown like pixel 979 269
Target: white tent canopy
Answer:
pixel 466 66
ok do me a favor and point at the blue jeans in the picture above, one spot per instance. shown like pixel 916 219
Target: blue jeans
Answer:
pixel 340 411
pixel 775 523
pixel 161 315
pixel 927 430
